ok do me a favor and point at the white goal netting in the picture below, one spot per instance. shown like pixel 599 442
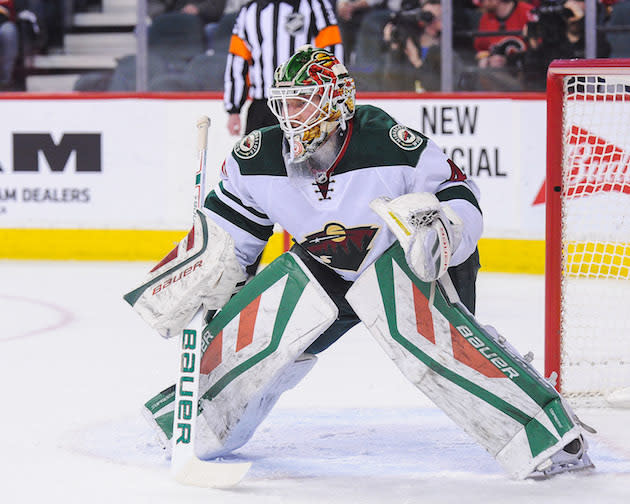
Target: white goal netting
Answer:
pixel 595 313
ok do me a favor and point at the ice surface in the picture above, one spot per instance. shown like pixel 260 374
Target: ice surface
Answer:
pixel 76 364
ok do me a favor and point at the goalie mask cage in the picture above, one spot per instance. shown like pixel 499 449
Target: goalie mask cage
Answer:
pixel 587 270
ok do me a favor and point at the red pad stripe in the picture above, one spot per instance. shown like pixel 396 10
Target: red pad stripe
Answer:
pixel 246 324
pixel 424 318
pixel 467 354
pixel 167 258
pixel 213 355
pixel 191 239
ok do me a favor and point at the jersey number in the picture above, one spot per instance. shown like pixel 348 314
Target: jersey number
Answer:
pixel 457 175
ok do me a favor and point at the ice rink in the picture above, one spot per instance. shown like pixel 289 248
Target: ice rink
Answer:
pixel 76 364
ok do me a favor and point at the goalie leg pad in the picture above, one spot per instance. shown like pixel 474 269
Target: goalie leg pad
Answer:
pixel 475 377
pixel 252 413
pixel 253 350
pixel 251 345
pixel 159 411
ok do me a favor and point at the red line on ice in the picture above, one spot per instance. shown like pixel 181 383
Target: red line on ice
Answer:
pixel 66 317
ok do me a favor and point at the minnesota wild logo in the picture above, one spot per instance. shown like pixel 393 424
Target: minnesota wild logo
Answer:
pixel 341 247
pixel 248 146
pixel 404 137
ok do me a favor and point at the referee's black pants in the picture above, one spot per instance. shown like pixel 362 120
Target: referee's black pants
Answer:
pixel 259 115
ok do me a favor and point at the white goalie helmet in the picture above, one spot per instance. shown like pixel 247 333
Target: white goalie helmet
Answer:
pixel 312 94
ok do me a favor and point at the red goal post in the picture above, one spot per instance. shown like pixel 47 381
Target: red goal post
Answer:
pixel 587 269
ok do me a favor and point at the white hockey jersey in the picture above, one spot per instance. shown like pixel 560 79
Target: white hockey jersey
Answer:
pixel 332 220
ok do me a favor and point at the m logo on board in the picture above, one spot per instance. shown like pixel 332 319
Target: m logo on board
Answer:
pixel 83 148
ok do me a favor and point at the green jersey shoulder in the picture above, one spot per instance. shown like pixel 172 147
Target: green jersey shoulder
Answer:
pixel 260 152
pixel 376 140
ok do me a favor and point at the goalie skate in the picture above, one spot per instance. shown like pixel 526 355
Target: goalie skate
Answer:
pixel 572 457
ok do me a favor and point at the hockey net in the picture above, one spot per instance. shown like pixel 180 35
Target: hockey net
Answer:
pixel 588 231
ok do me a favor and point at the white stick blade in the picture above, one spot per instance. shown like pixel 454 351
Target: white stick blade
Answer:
pixel 209 474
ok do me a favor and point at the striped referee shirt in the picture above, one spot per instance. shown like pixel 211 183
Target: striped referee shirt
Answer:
pixel 266 33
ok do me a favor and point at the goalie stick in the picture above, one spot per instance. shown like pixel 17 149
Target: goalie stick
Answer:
pixel 186 467
pixel 203 123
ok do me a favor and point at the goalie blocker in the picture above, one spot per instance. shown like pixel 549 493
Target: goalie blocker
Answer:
pixel 254 351
pixel 201 270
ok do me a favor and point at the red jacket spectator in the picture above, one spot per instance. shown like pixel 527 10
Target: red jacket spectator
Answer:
pixel 502 15
pixel 7 9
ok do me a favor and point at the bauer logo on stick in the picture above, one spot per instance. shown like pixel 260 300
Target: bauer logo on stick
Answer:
pixel 185 409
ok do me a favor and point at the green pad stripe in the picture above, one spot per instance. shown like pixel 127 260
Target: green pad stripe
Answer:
pixel 558 416
pixel 156 403
pixel 539 437
pixel 295 285
pixel 165 423
pixel 540 392
pixel 385 274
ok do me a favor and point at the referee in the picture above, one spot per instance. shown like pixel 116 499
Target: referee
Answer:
pixel 266 33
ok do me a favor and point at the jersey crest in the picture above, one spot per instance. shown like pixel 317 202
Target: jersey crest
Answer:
pixel 340 247
pixel 405 138
pixel 248 146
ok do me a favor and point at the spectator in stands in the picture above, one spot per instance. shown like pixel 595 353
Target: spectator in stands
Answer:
pixel 209 11
pixel 413 59
pixel 501 16
pixel 466 15
pixel 350 15
pixel 499 53
pixel 259 40
pixel 556 34
pixel 40 26
pixel 9 44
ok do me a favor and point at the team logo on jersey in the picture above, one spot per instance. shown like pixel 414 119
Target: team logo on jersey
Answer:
pixel 404 137
pixel 340 247
pixel 248 146
pixel 294 23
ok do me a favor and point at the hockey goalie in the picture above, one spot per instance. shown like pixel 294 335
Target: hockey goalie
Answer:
pixel 385 229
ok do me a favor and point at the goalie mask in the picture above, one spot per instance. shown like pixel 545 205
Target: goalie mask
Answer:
pixel 311 95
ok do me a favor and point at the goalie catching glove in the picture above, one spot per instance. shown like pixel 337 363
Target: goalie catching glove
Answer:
pixel 429 232
pixel 201 270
